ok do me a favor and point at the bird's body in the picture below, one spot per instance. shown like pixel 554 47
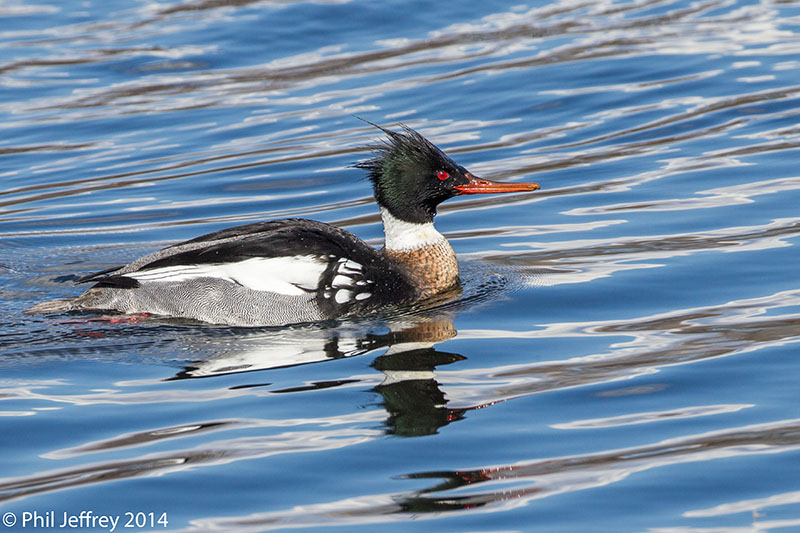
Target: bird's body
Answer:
pixel 297 270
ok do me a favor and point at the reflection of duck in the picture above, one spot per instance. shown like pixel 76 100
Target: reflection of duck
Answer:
pixel 297 270
pixel 236 351
pixel 410 392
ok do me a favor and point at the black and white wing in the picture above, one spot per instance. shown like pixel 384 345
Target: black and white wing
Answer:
pixel 290 257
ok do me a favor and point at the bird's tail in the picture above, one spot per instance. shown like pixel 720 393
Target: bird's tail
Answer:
pixel 60 305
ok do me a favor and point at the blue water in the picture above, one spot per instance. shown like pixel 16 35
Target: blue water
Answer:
pixel 624 356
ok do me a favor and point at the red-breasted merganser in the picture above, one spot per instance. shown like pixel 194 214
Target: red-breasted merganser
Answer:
pixel 296 270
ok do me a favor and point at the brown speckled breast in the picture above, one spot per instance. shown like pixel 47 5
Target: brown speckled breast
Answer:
pixel 433 268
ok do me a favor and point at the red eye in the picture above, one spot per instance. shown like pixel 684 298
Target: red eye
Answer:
pixel 442 175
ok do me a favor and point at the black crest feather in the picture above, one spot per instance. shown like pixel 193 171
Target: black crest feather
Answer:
pixel 402 174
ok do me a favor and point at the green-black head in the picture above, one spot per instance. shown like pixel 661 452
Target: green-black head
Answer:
pixel 411 176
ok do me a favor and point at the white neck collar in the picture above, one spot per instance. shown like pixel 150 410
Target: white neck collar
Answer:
pixel 403 236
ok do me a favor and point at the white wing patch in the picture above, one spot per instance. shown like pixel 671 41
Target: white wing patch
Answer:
pixel 283 275
pixel 348 283
pixel 343 296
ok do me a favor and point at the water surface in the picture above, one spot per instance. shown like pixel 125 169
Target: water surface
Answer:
pixel 623 356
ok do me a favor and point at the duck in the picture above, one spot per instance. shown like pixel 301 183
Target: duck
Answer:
pixel 296 270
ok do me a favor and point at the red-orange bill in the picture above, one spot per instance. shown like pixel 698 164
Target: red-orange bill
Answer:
pixel 482 186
